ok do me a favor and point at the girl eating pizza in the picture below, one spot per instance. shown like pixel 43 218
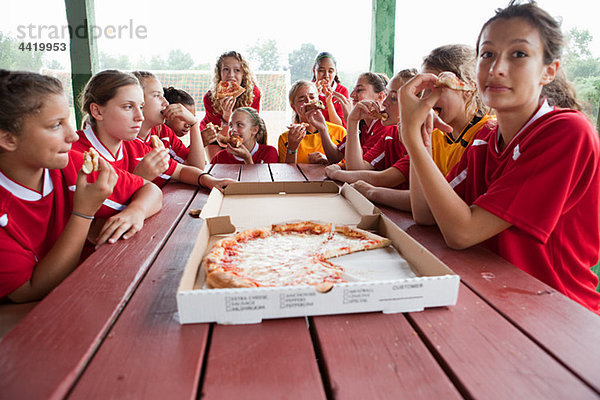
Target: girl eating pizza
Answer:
pixel 230 67
pixel 117 109
pixel 462 110
pixel 47 203
pixel 331 91
pixel 179 96
pixel 253 148
pixel 528 188
pixel 308 134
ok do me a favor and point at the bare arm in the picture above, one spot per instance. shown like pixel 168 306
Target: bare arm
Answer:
pixel 331 151
pixel 390 177
pixel 461 225
pixel 64 255
pixel 399 199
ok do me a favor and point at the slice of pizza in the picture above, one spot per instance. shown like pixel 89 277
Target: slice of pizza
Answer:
pixel 324 87
pixel 347 239
pixel 229 89
pixel 90 161
pixel 450 80
pixel 156 142
pixel 314 105
pixel 234 140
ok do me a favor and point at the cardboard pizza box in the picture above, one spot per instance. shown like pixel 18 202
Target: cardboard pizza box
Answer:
pixel 404 277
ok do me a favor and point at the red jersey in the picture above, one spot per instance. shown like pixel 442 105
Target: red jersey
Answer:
pixel 546 183
pixel 368 135
pixel 390 152
pixel 177 150
pixel 337 87
pixel 31 222
pixel 127 157
pixel 261 154
pixel 216 118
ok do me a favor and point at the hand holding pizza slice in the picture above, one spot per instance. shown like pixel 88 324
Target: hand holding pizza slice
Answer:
pixel 229 89
pixel 450 80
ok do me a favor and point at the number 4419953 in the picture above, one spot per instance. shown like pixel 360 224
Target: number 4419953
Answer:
pixel 42 46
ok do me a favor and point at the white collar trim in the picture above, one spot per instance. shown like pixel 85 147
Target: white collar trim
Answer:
pixel 24 193
pixel 544 109
pixel 89 133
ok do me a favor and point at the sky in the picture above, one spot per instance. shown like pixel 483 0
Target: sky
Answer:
pixel 197 27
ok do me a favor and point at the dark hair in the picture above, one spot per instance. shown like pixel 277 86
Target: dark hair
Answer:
pixel 561 93
pixel 261 135
pixel 174 96
pixel 23 93
pixel 321 56
pixel 459 59
pixel 101 88
pixel 378 81
pixel 548 27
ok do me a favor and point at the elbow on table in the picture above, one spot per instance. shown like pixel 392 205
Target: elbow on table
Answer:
pixel 458 240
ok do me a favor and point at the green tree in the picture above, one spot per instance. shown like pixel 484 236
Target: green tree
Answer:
pixel 11 57
pixel 583 69
pixel 265 54
pixel 107 61
pixel 178 60
pixel 301 62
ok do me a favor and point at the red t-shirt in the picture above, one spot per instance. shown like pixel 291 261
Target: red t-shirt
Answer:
pixel 31 222
pixel 177 150
pixel 127 157
pixel 214 117
pixel 546 183
pixel 337 87
pixel 261 154
pixel 369 135
pixel 390 152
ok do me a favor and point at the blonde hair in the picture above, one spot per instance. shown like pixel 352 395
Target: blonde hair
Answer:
pixel 248 82
pixel 256 120
pixel 292 95
pixel 101 88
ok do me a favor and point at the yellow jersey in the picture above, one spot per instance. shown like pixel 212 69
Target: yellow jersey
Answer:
pixel 311 143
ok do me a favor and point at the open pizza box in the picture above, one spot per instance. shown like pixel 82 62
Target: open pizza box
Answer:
pixel 400 278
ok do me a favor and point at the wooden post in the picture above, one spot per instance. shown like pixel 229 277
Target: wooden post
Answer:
pixel 84 52
pixel 383 30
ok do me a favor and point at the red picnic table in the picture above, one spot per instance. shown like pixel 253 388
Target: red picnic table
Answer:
pixel 110 330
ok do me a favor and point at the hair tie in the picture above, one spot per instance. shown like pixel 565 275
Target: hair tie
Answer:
pixel 250 111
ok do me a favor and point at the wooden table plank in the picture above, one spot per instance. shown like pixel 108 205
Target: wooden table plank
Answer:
pixel 231 171
pixel 313 172
pixel 286 172
pixel 148 353
pixel 379 356
pixel 270 360
pixel 256 173
pixel 43 355
pixel 540 311
pixel 491 359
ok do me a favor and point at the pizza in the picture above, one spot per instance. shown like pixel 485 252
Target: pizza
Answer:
pixel 450 80
pixel 229 89
pixel 214 127
pixel 381 114
pixel 314 105
pixel 285 254
pixel 90 161
pixel 324 87
pixel 156 142
pixel 234 140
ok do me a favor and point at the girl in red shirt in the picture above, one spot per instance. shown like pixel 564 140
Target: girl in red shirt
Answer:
pixel 246 123
pixel 233 67
pixel 332 92
pixel 528 188
pixel 117 108
pixel 47 204
pixel 179 96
